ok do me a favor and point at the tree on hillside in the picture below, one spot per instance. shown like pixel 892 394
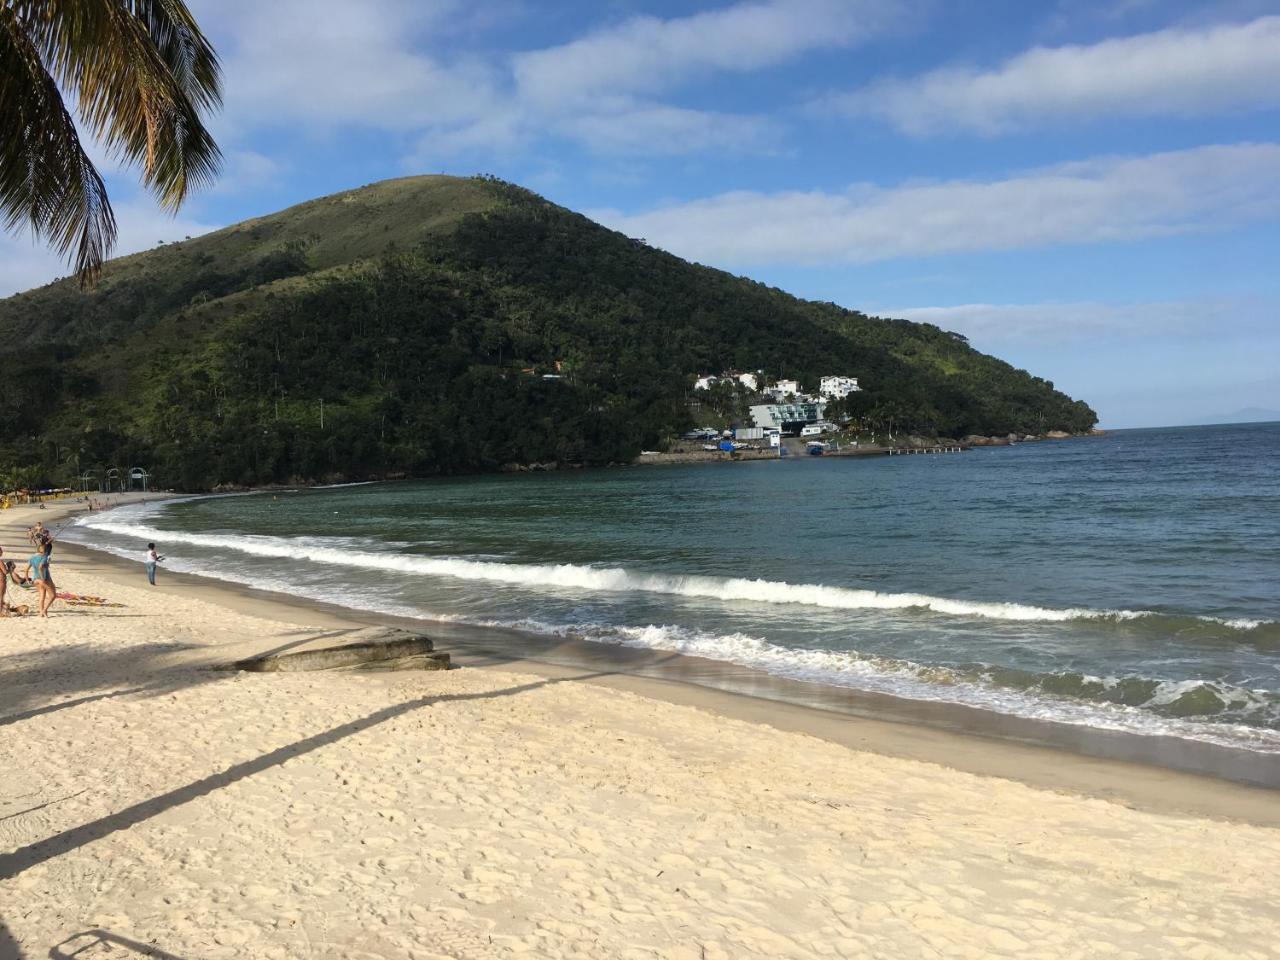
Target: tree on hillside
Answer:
pixel 141 75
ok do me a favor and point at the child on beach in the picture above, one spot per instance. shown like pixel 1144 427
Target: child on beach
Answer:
pixel 151 560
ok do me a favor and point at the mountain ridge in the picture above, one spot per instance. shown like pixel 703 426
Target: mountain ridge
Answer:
pixel 421 312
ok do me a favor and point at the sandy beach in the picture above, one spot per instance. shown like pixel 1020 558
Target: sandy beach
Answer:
pixel 152 805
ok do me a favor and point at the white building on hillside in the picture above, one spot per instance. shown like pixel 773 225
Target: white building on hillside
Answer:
pixel 837 388
pixel 749 380
pixel 784 388
pixel 787 417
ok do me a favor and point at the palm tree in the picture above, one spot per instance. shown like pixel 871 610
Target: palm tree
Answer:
pixel 140 74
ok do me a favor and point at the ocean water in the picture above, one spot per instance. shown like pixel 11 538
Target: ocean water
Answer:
pixel 1126 582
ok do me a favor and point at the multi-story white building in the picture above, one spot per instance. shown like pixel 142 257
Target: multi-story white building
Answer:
pixel 749 380
pixel 784 388
pixel 837 388
pixel 787 417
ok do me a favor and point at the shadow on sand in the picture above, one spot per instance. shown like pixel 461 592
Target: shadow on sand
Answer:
pixel 8 946
pixel 12 864
pixel 75 945
pixel 57 678
pixel 76 674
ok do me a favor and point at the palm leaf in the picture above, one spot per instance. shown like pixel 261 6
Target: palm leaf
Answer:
pixel 141 71
pixel 190 58
pixel 47 182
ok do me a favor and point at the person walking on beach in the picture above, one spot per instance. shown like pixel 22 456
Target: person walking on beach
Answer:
pixel 151 560
pixel 38 572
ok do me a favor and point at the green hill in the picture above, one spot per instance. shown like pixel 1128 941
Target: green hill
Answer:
pixel 406 328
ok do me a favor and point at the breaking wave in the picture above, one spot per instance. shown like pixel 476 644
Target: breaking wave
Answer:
pixel 1202 710
pixel 345 552
pixel 1211 711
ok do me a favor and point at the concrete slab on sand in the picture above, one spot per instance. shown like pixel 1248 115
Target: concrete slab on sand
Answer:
pixel 377 648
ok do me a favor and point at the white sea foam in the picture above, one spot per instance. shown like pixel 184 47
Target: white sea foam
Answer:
pixel 333 551
pixel 912 681
pixel 900 678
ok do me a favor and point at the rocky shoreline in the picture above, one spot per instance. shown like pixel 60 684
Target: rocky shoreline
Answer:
pixel 975 440
pixel 650 457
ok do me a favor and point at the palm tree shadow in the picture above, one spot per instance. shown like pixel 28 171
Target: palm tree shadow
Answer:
pixel 57 678
pixel 14 863
pixel 52 679
pixel 78 701
pixel 109 940
pixel 9 949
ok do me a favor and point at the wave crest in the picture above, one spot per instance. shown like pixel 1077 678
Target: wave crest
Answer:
pixel 336 551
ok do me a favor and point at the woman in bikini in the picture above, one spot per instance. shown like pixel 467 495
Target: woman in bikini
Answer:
pixel 38 572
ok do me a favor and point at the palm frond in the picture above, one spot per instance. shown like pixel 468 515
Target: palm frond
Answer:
pixel 141 72
pixel 191 59
pixel 47 182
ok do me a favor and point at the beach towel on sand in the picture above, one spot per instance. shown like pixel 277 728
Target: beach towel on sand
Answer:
pixel 85 600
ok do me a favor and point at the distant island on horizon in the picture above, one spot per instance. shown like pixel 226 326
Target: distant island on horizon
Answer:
pixel 1247 415
pixel 1244 415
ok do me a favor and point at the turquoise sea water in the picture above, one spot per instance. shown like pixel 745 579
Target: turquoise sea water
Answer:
pixel 1130 581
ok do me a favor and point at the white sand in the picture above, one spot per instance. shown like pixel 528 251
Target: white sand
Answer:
pixel 147 803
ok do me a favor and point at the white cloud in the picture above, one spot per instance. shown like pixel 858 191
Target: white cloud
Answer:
pixel 647 54
pixel 619 125
pixel 1179 72
pixel 1063 323
pixel 245 170
pixel 1137 364
pixel 25 263
pixel 638 128
pixel 329 65
pixel 335 64
pixel 1094 201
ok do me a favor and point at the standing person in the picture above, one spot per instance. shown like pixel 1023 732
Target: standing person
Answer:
pixel 4 584
pixel 152 559
pixel 38 571
pixel 39 536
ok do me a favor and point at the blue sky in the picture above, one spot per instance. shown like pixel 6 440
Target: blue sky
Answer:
pixel 1088 189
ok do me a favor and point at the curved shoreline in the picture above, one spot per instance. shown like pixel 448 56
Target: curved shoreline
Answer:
pixel 156 800
pixel 1155 772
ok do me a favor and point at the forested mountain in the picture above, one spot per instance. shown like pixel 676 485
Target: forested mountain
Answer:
pixel 406 328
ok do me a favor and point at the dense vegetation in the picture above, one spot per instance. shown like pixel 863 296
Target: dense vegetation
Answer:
pixel 414 327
